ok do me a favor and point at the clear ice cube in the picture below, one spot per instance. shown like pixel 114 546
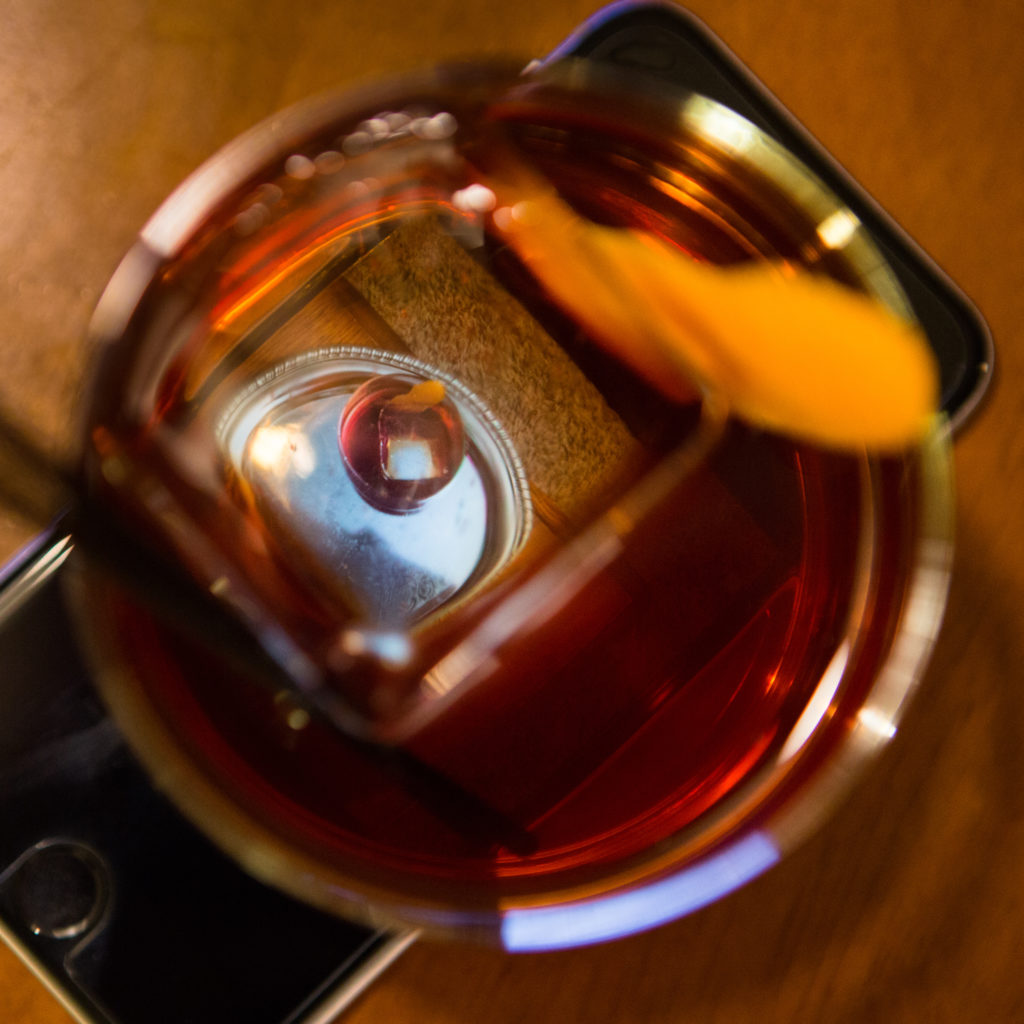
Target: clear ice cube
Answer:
pixel 409 449
pixel 416 443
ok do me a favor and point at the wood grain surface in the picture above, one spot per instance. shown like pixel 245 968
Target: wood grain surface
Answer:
pixel 908 906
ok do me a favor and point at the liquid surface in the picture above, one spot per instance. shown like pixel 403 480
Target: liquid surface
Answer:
pixel 648 697
pixel 675 676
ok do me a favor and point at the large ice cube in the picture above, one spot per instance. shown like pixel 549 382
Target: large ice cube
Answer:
pixel 417 443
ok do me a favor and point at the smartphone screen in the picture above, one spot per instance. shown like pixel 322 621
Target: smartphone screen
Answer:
pixel 119 904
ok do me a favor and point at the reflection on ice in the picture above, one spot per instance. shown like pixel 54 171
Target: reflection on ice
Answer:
pixel 378 479
pixel 400 567
pixel 282 450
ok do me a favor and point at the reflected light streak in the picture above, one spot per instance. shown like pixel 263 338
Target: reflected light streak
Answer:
pixel 924 610
pixel 877 722
pixel 612 917
pixel 836 230
pixel 390 648
pixel 475 198
pixel 818 705
pixel 282 450
pixel 721 124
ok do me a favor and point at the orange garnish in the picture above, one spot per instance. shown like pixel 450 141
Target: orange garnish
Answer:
pixel 788 350
pixel 423 395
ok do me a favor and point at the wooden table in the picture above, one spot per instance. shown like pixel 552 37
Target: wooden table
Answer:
pixel 909 905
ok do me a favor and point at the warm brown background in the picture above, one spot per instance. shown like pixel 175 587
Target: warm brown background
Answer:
pixel 909 905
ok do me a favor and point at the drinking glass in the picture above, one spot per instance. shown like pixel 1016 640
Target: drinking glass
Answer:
pixel 604 656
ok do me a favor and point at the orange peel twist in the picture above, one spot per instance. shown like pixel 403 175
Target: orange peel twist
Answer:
pixel 788 350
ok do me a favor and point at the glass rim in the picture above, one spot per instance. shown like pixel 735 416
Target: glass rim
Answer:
pixel 722 854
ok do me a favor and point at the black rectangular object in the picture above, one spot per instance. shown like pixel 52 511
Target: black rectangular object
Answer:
pixel 180 934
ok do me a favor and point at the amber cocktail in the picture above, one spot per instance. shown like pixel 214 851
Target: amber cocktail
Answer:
pixel 647 647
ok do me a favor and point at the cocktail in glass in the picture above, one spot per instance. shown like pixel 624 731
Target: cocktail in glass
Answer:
pixel 603 656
